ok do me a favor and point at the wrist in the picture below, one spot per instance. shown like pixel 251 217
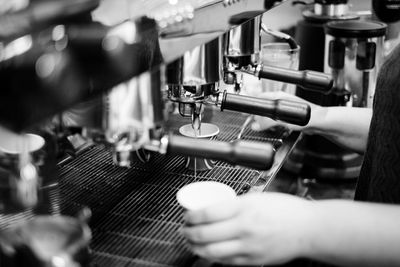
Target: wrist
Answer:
pixel 316 125
pixel 310 229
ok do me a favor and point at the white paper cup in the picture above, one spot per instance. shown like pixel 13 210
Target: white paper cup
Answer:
pixel 199 195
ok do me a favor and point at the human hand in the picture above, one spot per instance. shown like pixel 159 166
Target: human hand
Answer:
pixel 257 228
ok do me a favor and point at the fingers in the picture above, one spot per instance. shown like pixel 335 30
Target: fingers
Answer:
pixel 262 123
pixel 242 260
pixel 210 233
pixel 215 213
pixel 220 250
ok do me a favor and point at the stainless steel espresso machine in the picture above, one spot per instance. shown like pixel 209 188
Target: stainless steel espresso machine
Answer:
pixel 105 91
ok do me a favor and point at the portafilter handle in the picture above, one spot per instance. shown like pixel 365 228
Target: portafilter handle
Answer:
pixel 309 80
pixel 250 154
pixel 277 109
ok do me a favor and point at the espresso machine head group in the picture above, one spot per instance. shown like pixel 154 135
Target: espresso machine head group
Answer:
pixel 194 78
pixel 242 55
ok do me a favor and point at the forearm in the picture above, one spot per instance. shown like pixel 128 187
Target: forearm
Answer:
pixel 348 233
pixel 345 126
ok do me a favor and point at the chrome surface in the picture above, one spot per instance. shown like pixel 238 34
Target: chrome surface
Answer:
pixel 331 10
pixel 244 40
pixel 194 77
pixel 357 89
pixel 133 114
pixel 242 47
pixel 196 74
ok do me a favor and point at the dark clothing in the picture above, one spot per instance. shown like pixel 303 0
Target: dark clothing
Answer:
pixel 380 174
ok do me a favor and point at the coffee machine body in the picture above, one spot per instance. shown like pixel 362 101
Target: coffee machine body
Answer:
pixel 310 35
pixel 353 56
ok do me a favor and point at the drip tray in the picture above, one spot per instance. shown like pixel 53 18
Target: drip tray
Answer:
pixel 136 219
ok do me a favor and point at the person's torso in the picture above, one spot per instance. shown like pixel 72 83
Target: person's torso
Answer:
pixel 380 174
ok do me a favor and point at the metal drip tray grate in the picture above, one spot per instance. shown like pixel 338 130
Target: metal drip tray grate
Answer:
pixel 136 219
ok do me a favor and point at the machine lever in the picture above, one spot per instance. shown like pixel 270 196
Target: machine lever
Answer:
pixel 250 154
pixel 310 80
pixel 278 109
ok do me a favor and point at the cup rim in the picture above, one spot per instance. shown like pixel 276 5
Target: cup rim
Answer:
pixel 188 189
pixel 33 142
pixel 214 127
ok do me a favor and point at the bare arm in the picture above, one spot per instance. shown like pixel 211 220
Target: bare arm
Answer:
pixel 346 126
pixel 273 228
pixel 356 234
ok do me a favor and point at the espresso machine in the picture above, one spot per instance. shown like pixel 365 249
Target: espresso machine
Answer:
pixel 113 85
